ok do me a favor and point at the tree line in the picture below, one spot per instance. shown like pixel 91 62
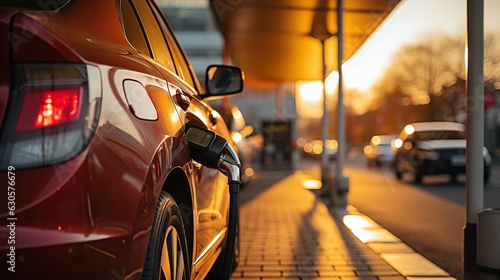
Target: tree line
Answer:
pixel 424 82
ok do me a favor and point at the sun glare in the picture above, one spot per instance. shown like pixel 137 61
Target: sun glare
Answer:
pixel 310 95
pixel 332 81
pixel 310 91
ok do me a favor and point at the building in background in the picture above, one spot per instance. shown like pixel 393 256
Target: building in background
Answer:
pixel 196 31
pixel 201 39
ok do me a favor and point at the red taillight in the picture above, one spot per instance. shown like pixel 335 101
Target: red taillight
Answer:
pixel 45 108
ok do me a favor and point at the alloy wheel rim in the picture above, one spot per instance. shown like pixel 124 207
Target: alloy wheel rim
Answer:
pixel 172 260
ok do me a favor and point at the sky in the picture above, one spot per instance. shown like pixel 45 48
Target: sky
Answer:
pixel 410 21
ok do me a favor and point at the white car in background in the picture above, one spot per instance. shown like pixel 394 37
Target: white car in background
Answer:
pixel 381 150
pixel 427 148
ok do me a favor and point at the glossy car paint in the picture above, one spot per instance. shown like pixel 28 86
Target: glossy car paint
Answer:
pixel 90 217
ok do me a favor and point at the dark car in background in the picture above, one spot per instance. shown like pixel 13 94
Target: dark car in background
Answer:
pixel 314 148
pixel 99 182
pixel 428 148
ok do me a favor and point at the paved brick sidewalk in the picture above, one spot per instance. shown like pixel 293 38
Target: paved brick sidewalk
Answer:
pixel 287 232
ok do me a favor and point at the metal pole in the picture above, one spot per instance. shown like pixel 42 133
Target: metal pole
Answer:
pixel 319 30
pixel 341 114
pixel 475 133
pixel 341 183
pixel 325 122
pixel 295 131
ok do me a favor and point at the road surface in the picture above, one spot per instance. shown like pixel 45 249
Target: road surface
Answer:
pixel 428 217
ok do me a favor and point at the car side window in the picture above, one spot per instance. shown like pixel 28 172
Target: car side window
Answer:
pixel 133 29
pixel 179 58
pixel 157 42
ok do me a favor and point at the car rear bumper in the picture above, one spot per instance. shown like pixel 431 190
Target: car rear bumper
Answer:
pixel 441 167
pixel 63 224
pixel 87 260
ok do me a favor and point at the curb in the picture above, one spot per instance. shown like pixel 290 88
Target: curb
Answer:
pixel 389 247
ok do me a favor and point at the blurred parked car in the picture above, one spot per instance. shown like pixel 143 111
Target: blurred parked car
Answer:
pixel 380 151
pixel 433 148
pixel 94 98
pixel 314 148
pixel 242 135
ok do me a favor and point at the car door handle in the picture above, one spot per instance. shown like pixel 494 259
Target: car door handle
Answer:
pixel 182 100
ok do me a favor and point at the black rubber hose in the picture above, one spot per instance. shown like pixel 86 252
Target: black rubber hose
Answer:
pixel 234 197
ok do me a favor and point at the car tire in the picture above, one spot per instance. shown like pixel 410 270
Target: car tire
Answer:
pixel 417 175
pixel 486 178
pixel 398 174
pixel 167 253
pixel 453 178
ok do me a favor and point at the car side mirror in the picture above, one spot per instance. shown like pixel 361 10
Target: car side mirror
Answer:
pixel 223 80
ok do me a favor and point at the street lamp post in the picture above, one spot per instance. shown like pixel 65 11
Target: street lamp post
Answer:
pixel 337 186
pixel 319 30
pixel 325 122
pixel 340 183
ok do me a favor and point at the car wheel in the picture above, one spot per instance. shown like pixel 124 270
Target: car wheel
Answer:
pixel 398 173
pixel 167 255
pixel 486 178
pixel 417 175
pixel 453 178
pixel 487 173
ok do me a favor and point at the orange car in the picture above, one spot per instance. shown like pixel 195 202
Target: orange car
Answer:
pixel 98 179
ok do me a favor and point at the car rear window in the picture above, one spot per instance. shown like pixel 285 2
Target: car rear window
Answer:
pixel 439 135
pixel 36 5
